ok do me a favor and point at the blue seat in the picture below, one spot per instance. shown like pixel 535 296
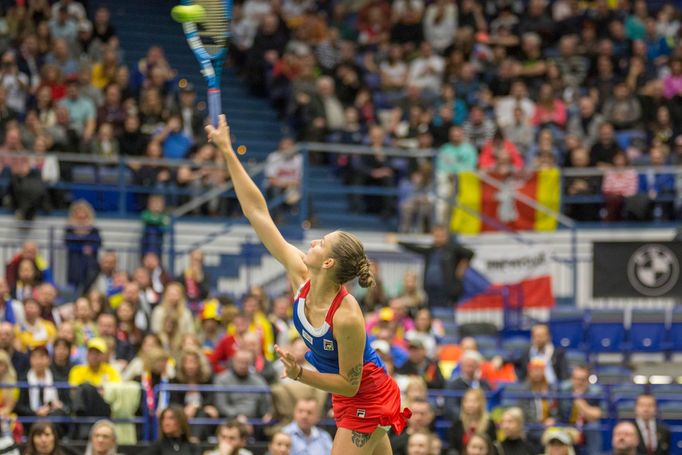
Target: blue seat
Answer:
pixel 567 327
pixel 576 358
pixel 516 346
pixel 606 331
pixel 648 331
pixel 613 375
pixel 486 342
pixel 625 409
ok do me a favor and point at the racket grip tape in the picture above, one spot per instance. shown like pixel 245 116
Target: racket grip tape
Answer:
pixel 214 105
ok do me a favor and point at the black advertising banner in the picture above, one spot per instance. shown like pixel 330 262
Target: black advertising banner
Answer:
pixel 636 269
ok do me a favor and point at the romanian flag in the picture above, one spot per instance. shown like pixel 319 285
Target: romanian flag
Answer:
pixel 500 205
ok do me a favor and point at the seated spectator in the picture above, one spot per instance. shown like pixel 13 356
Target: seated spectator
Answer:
pixel 518 97
pixel 61 362
pixel 419 443
pixel 35 331
pixel 19 359
pixel 585 125
pixel 157 274
pixel 82 240
pixel 550 111
pixel 137 366
pixel 553 357
pixel 43 439
pixel 8 395
pixel 243 406
pixel 259 324
pixel 625 439
pixel 232 437
pixel 543 146
pixel 426 71
pixel 229 344
pixel 102 440
pixel 579 158
pixel 558 441
pixel 280 444
pixel 103 277
pixel 173 303
pixel 252 343
pixel 411 292
pixel 416 201
pixel 606 148
pixel 46 296
pixel 520 132
pixel 584 413
pixel 419 364
pixel 174 434
pixel 514 442
pixel 306 437
pixel 97 371
pixel 43 399
pixel 478 129
pixel 194 278
pixel 541 409
pixel 123 350
pixel 193 370
pixel 479 444
pixel 473 418
pixel 623 110
pixel 420 422
pixel 82 112
pixel 618 187
pixel 11 310
pixel 427 331
pixel 283 170
pixel 493 148
pixel 128 333
pixel 155 373
pixel 29 250
pixel 654 435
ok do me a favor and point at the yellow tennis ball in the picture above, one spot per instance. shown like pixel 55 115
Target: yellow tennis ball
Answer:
pixel 187 13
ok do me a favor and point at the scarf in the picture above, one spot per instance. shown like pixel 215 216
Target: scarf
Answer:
pixel 49 394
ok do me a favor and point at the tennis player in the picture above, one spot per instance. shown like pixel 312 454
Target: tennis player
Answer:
pixel 365 398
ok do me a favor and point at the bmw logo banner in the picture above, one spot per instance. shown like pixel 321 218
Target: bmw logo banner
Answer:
pixel 636 269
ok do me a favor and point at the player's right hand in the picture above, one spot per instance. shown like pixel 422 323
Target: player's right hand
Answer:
pixel 220 136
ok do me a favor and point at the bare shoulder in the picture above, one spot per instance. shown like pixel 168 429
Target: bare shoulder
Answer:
pixel 349 316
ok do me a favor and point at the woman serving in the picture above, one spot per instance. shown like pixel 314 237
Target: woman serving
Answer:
pixel 366 400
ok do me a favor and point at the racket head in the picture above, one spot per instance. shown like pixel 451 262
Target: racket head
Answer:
pixel 208 37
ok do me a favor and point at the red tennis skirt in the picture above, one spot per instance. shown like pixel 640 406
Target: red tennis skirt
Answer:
pixel 377 403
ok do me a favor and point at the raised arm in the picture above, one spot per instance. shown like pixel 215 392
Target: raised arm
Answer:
pixel 255 208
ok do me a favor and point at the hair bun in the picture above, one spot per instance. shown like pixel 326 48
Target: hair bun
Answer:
pixel 365 275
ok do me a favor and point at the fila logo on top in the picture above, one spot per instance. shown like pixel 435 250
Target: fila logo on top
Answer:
pixel 328 345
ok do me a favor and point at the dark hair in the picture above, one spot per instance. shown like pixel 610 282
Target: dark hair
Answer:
pixel 351 260
pixel 63 341
pixel 179 414
pixel 37 429
pixel 233 423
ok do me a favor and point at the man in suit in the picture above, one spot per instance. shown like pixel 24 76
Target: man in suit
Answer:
pixel 468 377
pixel 445 262
pixel 654 436
pixel 554 358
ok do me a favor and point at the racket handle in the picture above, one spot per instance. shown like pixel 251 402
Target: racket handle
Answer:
pixel 214 107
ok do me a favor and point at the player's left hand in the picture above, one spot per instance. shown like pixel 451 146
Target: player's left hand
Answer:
pixel 291 368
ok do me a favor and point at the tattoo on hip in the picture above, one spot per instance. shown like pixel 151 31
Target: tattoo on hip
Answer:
pixel 360 439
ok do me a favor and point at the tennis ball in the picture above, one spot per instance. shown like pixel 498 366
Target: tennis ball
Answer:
pixel 187 13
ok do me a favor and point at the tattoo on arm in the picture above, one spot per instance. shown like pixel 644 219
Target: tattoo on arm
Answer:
pixel 360 439
pixel 355 374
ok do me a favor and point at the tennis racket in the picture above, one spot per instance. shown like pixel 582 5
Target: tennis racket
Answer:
pixel 208 40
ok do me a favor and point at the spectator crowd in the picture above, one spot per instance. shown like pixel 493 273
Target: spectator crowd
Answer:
pixel 506 87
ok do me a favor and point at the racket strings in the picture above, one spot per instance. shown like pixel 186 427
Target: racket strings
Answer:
pixel 213 28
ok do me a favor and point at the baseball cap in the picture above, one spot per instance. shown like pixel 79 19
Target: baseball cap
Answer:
pixel 415 343
pixel 98 344
pixel 557 434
